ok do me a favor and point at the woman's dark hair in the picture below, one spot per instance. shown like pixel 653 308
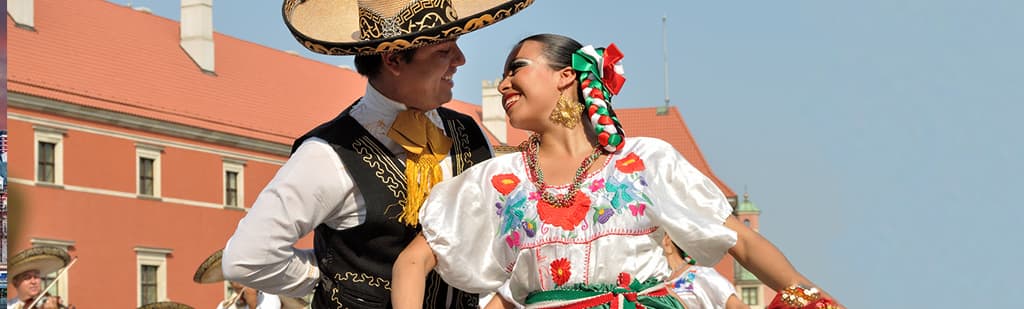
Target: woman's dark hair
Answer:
pixel 558 49
pixel 369 65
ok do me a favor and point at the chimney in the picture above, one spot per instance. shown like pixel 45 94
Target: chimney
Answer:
pixel 22 13
pixel 197 32
pixel 494 113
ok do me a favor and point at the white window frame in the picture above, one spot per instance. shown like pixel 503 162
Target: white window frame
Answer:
pixel 56 137
pixel 149 256
pixel 237 166
pixel 757 295
pixel 62 284
pixel 153 153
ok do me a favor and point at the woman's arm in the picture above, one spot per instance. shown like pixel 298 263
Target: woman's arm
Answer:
pixel 762 258
pixel 408 275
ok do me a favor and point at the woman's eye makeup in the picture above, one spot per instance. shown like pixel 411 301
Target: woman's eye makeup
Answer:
pixel 516 64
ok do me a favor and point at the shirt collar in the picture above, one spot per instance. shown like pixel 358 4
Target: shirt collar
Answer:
pixel 380 103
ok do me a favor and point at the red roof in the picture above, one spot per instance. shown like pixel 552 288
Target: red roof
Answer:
pixel 107 56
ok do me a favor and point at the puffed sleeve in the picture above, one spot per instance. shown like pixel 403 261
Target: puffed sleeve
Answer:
pixel 460 224
pixel 687 205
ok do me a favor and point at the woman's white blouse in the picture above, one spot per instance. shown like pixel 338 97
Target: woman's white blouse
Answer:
pixel 488 225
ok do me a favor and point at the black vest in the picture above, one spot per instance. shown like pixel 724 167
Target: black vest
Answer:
pixel 355 264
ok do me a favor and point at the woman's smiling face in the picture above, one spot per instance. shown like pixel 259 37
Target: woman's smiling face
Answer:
pixel 530 87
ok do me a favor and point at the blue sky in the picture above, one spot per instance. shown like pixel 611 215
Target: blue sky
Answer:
pixel 880 138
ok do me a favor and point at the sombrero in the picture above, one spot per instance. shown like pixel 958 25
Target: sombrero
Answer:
pixel 44 259
pixel 365 27
pixel 210 271
pixel 165 305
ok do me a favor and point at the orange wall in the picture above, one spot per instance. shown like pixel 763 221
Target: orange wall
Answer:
pixel 20 150
pixel 94 160
pixel 196 175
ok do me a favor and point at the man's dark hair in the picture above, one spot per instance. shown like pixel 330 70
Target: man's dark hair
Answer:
pixel 370 65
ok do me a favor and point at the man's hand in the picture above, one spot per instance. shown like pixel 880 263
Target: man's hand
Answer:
pixel 52 302
pixel 250 296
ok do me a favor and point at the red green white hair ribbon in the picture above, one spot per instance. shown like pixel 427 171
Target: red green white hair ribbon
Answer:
pixel 601 77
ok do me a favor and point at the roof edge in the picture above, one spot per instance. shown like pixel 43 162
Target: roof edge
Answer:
pixel 674 111
pixel 60 108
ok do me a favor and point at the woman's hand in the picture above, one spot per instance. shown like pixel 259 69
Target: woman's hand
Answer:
pixel 409 274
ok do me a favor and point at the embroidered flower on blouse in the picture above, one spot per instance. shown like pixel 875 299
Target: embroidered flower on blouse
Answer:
pixel 637 209
pixel 567 217
pixel 685 282
pixel 560 271
pixel 512 211
pixel 596 185
pixel 631 163
pixel 534 196
pixel 622 193
pixel 530 227
pixel 505 183
pixel 513 240
pixel 601 215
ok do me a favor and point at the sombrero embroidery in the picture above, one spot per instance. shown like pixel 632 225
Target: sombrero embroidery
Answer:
pixel 365 27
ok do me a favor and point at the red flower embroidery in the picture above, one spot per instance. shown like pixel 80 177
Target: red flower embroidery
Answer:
pixel 631 163
pixel 560 271
pixel 505 183
pixel 567 217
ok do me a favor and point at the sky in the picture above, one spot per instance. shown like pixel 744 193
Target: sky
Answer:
pixel 880 138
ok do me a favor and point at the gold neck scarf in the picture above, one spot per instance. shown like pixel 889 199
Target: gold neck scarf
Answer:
pixel 425 146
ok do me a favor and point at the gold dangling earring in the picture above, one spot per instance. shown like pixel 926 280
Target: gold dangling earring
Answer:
pixel 566 113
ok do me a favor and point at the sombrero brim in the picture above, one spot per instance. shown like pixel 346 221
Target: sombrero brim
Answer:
pixel 166 305
pixel 44 259
pixel 210 270
pixel 333 29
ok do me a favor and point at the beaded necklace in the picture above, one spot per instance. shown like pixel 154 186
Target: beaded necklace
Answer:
pixel 560 200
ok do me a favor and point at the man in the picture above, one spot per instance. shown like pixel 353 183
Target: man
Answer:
pixel 243 297
pixel 359 179
pixel 27 268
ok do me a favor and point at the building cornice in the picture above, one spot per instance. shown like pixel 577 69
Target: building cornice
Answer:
pixel 60 108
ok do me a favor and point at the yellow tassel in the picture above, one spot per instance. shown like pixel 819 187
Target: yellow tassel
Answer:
pixel 422 172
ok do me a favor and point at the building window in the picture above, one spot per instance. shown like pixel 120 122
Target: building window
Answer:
pixel 147 167
pixel 148 284
pixel 46 162
pixel 146 176
pixel 151 264
pixel 746 222
pixel 234 182
pixel 231 189
pixel 49 155
pixel 750 296
pixel 61 287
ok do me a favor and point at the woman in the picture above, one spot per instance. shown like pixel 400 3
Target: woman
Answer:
pixel 698 286
pixel 595 239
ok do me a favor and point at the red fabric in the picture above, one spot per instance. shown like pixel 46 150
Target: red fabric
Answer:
pixel 612 80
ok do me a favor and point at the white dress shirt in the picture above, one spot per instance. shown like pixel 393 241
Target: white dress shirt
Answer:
pixel 303 194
